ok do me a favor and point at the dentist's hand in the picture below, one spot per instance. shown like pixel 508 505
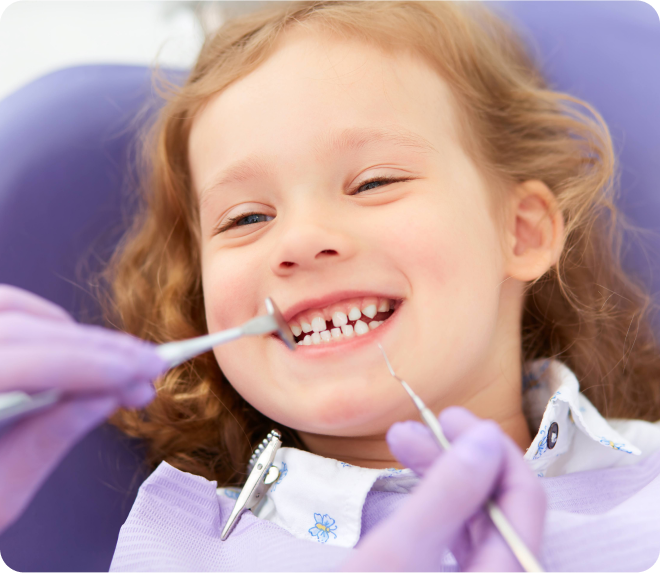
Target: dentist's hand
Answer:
pixel 445 511
pixel 98 370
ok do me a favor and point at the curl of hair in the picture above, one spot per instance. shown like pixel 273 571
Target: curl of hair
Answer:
pixel 584 311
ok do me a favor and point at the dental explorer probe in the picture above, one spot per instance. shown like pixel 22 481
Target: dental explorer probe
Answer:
pixel 14 405
pixel 520 550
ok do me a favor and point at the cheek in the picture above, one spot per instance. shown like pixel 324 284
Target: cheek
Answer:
pixel 229 290
pixel 448 250
pixel 446 243
pixel 424 241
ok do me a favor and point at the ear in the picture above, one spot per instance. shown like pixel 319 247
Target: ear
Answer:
pixel 535 231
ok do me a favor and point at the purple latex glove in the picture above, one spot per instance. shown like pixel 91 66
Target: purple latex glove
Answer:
pixel 445 511
pixel 99 370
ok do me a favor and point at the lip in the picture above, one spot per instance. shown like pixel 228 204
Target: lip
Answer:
pixel 327 300
pixel 347 344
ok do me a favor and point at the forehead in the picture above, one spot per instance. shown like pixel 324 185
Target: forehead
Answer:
pixel 314 92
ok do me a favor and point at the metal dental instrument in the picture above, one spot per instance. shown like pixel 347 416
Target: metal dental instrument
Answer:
pixel 15 405
pixel 177 352
pixel 262 475
pixel 520 550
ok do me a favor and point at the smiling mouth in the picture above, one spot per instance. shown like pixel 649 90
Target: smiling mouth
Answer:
pixel 338 322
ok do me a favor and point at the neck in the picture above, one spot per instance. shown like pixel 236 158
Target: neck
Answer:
pixel 372 451
pixel 499 398
pixel 363 451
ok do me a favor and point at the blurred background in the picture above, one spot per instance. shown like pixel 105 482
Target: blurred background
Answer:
pixel 40 36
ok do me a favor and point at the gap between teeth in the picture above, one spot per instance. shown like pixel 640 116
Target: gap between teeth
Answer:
pixel 346 331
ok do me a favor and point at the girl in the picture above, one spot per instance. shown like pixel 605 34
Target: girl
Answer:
pixel 393 173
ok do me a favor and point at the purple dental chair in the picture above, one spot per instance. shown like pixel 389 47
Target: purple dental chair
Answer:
pixel 66 165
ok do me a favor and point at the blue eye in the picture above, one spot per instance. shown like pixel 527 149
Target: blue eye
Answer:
pixel 371 185
pixel 242 220
pixel 252 218
pixel 377 182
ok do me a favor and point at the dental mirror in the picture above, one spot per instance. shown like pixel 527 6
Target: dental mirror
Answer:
pixel 177 352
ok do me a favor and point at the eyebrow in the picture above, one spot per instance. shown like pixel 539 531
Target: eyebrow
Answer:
pixel 350 139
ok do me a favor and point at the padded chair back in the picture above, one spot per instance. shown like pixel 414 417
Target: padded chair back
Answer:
pixel 66 142
pixel 608 54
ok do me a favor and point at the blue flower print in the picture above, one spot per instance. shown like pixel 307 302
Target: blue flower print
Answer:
pixel 615 445
pixel 542 444
pixel 283 472
pixel 323 527
pixel 555 397
pixel 393 472
pixel 345 465
pixel 231 493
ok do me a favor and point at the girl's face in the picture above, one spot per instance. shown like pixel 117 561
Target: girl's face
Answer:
pixel 332 178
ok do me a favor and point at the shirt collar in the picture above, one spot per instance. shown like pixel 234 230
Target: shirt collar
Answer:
pixel 317 498
pixel 552 402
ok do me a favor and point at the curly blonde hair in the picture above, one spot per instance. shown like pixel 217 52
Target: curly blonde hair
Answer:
pixel 585 310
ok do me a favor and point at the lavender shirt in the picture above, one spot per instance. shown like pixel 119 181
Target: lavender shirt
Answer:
pixel 605 520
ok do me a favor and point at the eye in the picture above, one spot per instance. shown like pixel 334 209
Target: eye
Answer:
pixel 252 218
pixel 376 182
pixel 243 220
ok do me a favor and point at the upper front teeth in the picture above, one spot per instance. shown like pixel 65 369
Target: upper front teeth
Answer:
pixel 354 313
pixel 370 311
pixel 339 318
pixel 318 324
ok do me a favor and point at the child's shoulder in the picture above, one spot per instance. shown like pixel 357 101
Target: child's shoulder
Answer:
pixel 172 495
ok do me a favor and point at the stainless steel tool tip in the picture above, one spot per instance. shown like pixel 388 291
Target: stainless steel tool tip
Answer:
pixel 389 366
pixel 283 330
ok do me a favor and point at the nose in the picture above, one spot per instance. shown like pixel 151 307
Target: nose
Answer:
pixel 308 246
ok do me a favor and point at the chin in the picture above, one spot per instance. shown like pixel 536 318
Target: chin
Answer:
pixel 340 413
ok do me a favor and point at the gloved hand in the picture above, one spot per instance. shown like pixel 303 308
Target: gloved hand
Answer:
pixel 444 511
pixel 42 347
